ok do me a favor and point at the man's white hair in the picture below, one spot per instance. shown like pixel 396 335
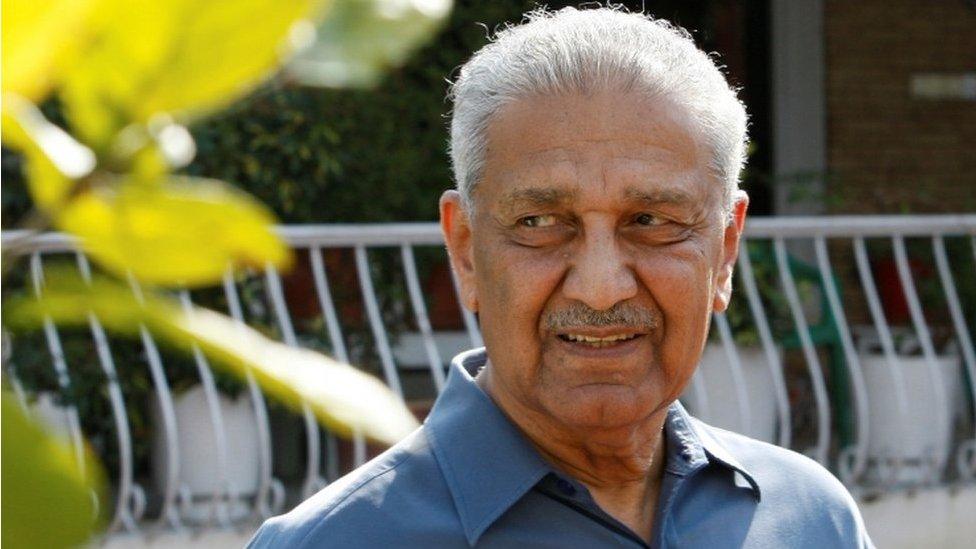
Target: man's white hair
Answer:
pixel 574 51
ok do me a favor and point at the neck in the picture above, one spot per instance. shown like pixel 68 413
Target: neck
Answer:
pixel 622 466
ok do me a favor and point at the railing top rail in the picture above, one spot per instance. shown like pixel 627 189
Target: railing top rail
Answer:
pixel 429 233
pixel 860 225
pixel 362 234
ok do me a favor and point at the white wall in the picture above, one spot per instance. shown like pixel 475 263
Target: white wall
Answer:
pixel 933 518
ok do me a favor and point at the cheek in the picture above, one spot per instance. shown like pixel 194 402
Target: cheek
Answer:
pixel 521 277
pixel 681 283
pixel 513 286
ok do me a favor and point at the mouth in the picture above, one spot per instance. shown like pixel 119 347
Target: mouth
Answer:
pixel 594 341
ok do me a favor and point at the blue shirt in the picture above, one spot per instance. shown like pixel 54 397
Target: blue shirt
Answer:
pixel 468 477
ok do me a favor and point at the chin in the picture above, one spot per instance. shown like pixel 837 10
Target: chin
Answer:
pixel 604 406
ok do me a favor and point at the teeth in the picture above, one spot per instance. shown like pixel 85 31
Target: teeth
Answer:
pixel 598 341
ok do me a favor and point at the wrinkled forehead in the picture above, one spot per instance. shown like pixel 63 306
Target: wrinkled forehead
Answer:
pixel 549 149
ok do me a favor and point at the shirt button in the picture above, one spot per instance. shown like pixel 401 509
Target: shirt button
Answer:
pixel 565 487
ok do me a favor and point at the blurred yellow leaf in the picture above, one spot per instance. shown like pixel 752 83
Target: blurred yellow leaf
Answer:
pixel 43 486
pixel 341 396
pixel 152 150
pixel 185 231
pixel 362 38
pixel 183 57
pixel 39 37
pixel 54 159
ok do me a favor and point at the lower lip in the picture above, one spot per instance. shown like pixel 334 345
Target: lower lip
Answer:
pixel 618 350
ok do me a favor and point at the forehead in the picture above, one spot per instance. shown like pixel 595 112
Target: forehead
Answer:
pixel 577 147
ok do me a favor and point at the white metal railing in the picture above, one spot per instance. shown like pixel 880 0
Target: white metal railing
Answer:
pixel 763 386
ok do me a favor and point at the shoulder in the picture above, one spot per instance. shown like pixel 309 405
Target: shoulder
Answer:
pixel 795 489
pixel 779 470
pixel 396 490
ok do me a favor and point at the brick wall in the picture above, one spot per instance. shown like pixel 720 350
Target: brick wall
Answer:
pixel 888 152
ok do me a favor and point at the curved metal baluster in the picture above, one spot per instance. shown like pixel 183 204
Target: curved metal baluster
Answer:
pixel 849 473
pixel 702 410
pixel 327 306
pixel 965 341
pixel 223 491
pixel 270 495
pixel 11 372
pixel 884 335
pixel 376 321
pixel 18 389
pixel 928 349
pixel 169 513
pixel 60 366
pixel 738 378
pixel 313 479
pixel 773 362
pixel 332 455
pixel 131 498
pixel 470 321
pixel 809 352
pixel 420 313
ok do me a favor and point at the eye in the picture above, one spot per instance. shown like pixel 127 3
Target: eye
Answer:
pixel 648 220
pixel 538 221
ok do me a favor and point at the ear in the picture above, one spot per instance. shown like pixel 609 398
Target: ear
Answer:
pixel 732 233
pixel 456 226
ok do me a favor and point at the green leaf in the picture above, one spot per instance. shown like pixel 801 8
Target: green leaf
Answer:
pixel 184 231
pixel 54 159
pixel 181 57
pixel 46 502
pixel 362 38
pixel 342 397
pixel 39 39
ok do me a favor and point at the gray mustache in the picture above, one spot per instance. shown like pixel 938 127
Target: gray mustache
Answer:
pixel 579 315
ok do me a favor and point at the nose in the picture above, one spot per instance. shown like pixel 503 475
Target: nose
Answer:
pixel 599 274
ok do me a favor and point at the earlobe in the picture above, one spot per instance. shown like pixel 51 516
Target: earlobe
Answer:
pixel 730 252
pixel 456 227
pixel 723 292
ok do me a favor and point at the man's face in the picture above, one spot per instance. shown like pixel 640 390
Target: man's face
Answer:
pixel 595 253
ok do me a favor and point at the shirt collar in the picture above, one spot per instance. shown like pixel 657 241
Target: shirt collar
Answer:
pixel 693 444
pixel 488 463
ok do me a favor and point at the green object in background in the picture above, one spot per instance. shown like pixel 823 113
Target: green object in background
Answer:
pixel 46 499
pixel 823 330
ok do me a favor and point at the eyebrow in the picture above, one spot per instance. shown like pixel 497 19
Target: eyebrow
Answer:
pixel 534 196
pixel 661 196
pixel 544 197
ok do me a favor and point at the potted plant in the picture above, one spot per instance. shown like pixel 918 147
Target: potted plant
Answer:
pixel 216 441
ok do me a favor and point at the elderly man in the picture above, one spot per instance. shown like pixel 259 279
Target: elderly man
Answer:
pixel 594 231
